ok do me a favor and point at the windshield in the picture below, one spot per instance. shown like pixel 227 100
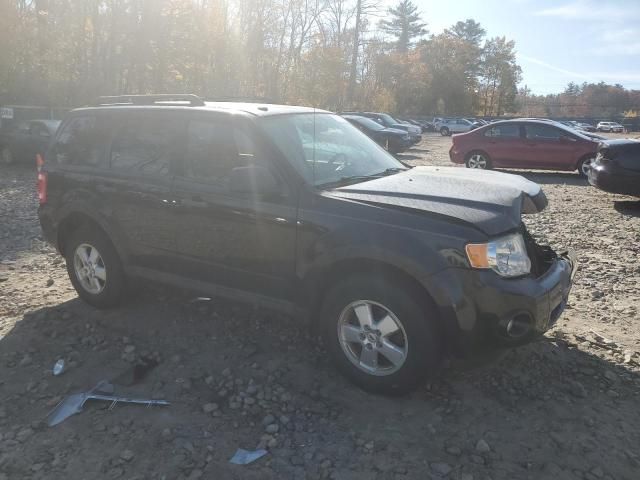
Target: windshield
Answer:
pixel 388 119
pixel 327 149
pixel 367 122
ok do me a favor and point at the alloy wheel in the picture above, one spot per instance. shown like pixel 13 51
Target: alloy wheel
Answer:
pixel 372 338
pixel 90 268
pixel 585 166
pixel 477 160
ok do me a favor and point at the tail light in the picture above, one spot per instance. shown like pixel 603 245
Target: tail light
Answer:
pixel 42 180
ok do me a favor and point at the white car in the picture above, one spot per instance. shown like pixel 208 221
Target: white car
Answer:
pixel 609 127
pixel 448 126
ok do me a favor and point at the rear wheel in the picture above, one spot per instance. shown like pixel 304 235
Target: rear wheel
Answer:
pixel 478 160
pixel 380 335
pixel 444 131
pixel 94 268
pixel 6 155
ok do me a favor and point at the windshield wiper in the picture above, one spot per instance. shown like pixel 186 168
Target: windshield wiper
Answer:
pixel 360 178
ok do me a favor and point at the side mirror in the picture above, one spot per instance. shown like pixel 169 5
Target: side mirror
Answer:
pixel 254 180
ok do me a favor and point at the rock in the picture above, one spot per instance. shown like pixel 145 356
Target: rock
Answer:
pixel 226 372
pixel 129 349
pixel 482 446
pixel 453 451
pixel 26 360
pixel 296 460
pixel 23 434
pixel 272 428
pixel 442 469
pixel 49 282
pixel 577 389
pixel 268 419
pixel 209 407
pixel 609 375
pixel 127 455
pixel 597 472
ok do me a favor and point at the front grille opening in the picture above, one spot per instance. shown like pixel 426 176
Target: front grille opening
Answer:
pixel 541 256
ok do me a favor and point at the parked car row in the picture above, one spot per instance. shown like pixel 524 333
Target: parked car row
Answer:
pixel 22 143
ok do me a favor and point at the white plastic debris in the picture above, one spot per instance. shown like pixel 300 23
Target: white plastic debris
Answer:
pixel 244 457
pixel 58 368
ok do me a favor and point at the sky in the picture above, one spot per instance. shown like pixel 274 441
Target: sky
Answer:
pixel 557 41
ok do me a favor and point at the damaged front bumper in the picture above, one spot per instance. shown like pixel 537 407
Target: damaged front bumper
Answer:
pixel 507 311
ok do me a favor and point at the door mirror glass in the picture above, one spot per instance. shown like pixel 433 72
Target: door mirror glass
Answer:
pixel 254 180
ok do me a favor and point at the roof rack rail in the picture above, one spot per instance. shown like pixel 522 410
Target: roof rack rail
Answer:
pixel 242 99
pixel 193 100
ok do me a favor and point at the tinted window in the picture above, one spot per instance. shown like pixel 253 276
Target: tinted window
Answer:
pixel 146 145
pixel 214 149
pixel 542 132
pixel 39 130
pixel 79 142
pixel 508 130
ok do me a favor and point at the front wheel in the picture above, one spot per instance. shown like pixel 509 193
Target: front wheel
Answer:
pixel 444 131
pixel 94 268
pixel 380 334
pixel 584 166
pixel 478 160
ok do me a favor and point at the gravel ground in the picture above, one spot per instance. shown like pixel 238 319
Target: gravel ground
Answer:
pixel 565 407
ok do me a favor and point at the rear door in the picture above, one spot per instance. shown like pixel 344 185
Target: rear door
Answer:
pixel 503 143
pixel 549 147
pixel 143 152
pixel 231 239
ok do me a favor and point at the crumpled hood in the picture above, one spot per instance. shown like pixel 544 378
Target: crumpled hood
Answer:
pixel 491 201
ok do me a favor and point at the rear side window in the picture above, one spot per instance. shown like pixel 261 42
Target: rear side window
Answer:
pixel 542 132
pixel 146 145
pixel 79 143
pixel 509 130
pixel 214 148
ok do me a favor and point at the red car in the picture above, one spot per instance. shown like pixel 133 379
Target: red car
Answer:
pixel 538 144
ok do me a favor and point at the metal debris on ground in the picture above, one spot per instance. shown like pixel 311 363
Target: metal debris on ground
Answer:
pixel 244 457
pixel 103 391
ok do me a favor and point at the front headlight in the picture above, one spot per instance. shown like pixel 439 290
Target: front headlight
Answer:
pixel 507 255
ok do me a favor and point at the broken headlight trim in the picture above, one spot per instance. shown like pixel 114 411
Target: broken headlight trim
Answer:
pixel 507 256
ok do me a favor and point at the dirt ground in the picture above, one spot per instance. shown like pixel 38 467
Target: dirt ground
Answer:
pixel 565 407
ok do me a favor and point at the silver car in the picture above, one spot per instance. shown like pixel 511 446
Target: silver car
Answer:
pixel 448 126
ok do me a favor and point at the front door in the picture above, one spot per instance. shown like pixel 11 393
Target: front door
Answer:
pixel 548 147
pixel 232 239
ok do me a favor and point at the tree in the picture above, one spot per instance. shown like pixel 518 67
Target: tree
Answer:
pixel 499 77
pixel 405 24
pixel 469 31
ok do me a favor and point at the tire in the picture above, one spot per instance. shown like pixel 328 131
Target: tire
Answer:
pixel 112 281
pixel 411 336
pixel 478 160
pixel 6 156
pixel 444 131
pixel 584 165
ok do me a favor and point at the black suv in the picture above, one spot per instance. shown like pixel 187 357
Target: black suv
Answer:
pixel 295 208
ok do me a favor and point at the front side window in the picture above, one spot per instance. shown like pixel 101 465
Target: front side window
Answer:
pixel 508 130
pixel 325 148
pixel 79 143
pixel 146 145
pixel 542 132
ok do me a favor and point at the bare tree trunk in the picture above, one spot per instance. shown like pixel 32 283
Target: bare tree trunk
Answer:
pixel 354 56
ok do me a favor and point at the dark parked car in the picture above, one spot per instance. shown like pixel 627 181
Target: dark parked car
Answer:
pixel 296 209
pixel 535 144
pixel 26 140
pixel 616 169
pixel 386 120
pixel 391 139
